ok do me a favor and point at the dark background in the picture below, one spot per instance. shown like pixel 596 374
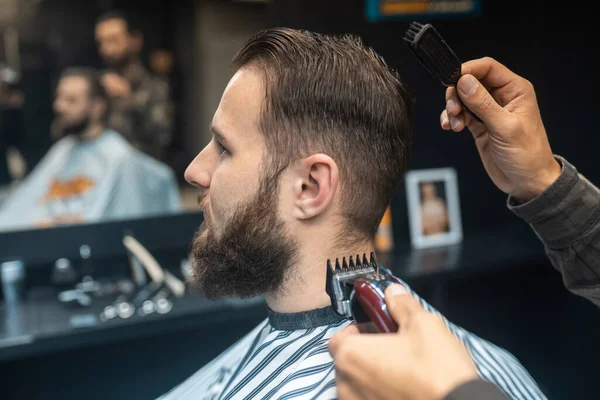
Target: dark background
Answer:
pixel 524 308
pixel 552 46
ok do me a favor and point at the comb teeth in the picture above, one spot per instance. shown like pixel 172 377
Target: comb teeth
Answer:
pixel 413 30
pixel 433 52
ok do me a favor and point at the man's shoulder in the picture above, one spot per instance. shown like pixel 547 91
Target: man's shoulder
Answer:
pixel 268 363
pixel 216 373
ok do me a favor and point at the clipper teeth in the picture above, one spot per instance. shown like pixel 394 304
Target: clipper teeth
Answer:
pixel 353 264
pixel 373 262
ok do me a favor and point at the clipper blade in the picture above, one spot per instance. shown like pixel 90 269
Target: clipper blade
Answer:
pixel 341 277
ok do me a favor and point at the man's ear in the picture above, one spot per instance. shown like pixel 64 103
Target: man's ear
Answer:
pixel 315 184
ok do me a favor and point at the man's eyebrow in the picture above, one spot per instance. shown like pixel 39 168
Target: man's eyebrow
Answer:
pixel 219 135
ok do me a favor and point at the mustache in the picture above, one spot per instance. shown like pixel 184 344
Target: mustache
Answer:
pixel 203 201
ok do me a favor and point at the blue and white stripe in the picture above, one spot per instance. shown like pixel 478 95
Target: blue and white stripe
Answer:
pixel 296 365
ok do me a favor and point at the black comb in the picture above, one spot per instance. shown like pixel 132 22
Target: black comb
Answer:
pixel 435 55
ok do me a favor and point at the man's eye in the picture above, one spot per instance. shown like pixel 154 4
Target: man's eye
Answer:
pixel 221 149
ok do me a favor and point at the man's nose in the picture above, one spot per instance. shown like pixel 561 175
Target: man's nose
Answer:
pixel 199 172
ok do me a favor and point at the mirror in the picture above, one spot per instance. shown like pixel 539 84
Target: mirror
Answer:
pixel 104 103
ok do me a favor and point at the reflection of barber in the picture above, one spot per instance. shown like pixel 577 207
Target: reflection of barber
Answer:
pixel 141 109
pixel 544 189
pixel 434 215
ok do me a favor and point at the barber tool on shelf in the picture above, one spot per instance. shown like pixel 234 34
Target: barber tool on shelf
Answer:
pixel 357 290
pixel 148 298
pixel 83 292
pixel 63 274
pixel 156 272
pixel 12 276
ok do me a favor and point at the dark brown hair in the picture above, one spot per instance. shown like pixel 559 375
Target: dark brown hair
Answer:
pixel 95 88
pixel 119 15
pixel 335 95
pixel 91 75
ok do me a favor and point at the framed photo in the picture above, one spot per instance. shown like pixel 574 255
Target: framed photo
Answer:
pixel 433 207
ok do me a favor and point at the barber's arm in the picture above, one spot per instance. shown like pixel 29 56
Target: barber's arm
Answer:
pixel 424 360
pixel 544 189
pixel 159 114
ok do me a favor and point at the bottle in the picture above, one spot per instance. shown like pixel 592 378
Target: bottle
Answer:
pixel 384 239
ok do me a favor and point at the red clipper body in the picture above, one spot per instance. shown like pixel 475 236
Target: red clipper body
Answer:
pixel 357 291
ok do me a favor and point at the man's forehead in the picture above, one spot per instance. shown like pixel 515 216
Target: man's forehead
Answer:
pixel 73 84
pixel 111 27
pixel 239 110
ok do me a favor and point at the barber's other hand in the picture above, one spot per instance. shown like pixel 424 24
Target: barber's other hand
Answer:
pixel 512 140
pixel 423 361
pixel 116 85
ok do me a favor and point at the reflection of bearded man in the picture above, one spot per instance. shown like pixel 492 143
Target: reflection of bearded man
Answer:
pixel 434 215
pixel 253 254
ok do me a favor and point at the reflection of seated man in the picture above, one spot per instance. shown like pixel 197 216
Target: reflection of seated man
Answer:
pixel 434 215
pixel 92 173
pixel 278 185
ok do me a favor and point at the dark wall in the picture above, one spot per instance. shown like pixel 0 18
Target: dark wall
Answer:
pixel 551 47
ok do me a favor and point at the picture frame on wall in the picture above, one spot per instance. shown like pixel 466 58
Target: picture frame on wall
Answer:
pixel 433 207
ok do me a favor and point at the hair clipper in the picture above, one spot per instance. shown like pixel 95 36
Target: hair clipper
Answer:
pixel 357 291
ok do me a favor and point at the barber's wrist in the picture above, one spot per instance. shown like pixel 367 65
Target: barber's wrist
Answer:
pixel 543 180
pixel 476 389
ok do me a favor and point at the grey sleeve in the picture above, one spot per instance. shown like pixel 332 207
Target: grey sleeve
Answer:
pixel 159 114
pixel 477 389
pixel 566 218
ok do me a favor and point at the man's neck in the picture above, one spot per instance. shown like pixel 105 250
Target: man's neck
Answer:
pixel 304 290
pixel 92 132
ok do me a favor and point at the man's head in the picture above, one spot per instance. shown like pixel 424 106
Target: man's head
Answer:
pixel 118 42
pixel 428 190
pixel 310 141
pixel 161 62
pixel 80 101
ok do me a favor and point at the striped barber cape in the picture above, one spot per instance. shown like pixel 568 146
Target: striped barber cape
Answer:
pixel 286 357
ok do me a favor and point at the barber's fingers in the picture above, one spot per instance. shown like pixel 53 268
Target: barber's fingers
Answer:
pixel 359 357
pixel 454 117
pixel 490 72
pixel 337 339
pixel 480 101
pixel 401 304
pixel 348 389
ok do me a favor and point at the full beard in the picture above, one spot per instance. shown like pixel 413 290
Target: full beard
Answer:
pixel 76 129
pixel 253 256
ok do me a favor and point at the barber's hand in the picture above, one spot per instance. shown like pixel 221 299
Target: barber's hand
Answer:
pixel 116 86
pixel 512 140
pixel 423 361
